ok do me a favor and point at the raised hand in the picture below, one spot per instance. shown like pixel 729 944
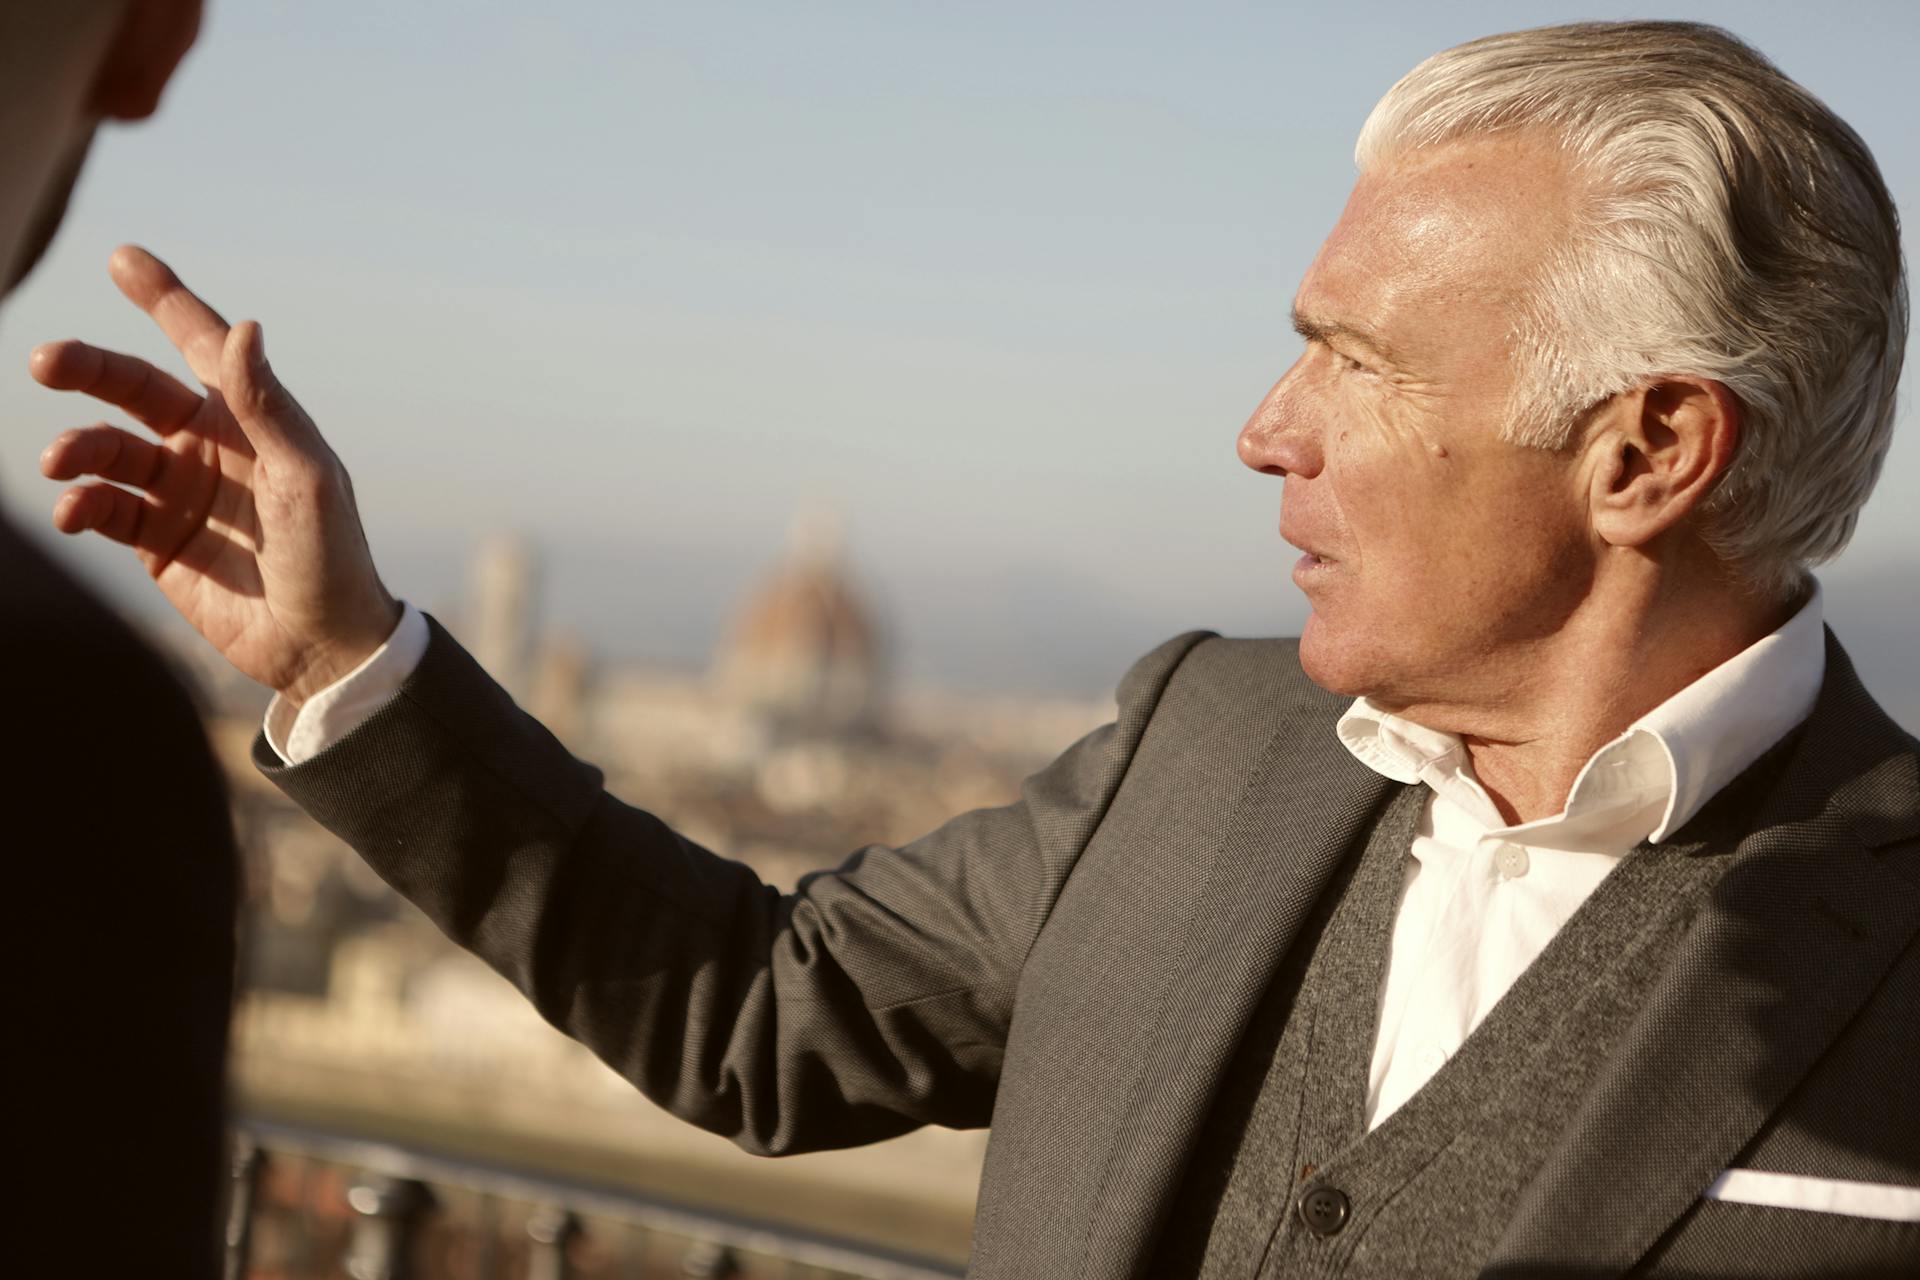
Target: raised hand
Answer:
pixel 240 512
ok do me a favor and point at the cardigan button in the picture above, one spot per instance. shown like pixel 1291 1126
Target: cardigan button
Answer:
pixel 1324 1210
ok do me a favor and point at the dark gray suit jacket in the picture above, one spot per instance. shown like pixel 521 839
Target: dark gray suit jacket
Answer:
pixel 1077 968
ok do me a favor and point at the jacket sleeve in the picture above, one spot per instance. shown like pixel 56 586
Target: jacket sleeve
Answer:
pixel 873 999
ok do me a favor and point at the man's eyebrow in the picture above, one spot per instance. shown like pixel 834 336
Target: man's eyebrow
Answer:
pixel 1317 329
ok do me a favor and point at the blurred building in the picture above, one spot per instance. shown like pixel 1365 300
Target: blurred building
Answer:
pixel 802 651
pixel 500 618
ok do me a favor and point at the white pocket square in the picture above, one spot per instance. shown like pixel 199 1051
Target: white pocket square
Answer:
pixel 1821 1195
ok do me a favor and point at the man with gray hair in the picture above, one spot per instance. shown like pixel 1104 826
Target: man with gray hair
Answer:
pixel 1548 908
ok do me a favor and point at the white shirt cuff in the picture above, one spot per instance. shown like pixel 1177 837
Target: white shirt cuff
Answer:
pixel 299 734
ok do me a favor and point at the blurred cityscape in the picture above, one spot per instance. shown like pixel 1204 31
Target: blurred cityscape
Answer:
pixel 789 751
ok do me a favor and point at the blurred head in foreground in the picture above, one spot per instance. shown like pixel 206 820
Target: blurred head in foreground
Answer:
pixel 66 65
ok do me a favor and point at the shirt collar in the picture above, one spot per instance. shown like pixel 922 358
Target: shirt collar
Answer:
pixel 1728 718
pixel 1683 751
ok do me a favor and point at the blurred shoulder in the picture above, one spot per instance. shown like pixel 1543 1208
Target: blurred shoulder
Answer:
pixel 76 678
pixel 125 882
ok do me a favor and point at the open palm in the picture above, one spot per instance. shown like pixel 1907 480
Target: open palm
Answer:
pixel 239 511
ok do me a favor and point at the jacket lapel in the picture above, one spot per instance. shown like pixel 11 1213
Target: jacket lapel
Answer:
pixel 1815 906
pixel 1306 806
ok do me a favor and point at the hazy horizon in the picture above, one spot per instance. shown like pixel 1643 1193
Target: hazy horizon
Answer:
pixel 998 283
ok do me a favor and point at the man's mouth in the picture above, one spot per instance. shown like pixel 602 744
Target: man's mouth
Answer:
pixel 1310 569
pixel 1312 554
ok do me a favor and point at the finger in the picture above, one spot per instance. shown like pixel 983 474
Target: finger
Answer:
pixel 102 508
pixel 272 420
pixel 156 398
pixel 192 326
pixel 107 452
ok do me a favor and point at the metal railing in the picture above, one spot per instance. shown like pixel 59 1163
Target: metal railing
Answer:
pixel 388 1219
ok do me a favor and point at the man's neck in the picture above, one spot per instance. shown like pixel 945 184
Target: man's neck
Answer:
pixel 1544 713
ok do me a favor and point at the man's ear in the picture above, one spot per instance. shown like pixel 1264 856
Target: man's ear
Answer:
pixel 152 38
pixel 1660 449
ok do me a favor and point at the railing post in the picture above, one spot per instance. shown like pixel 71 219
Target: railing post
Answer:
pixel 243 1187
pixel 390 1212
pixel 636 1245
pixel 552 1230
pixel 707 1260
pixel 486 1264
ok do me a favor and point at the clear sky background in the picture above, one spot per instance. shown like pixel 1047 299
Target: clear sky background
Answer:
pixel 997 281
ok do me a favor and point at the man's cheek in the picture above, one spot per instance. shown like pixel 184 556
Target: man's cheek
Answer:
pixel 1375 423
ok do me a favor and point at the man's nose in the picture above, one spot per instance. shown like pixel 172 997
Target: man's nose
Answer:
pixel 1280 438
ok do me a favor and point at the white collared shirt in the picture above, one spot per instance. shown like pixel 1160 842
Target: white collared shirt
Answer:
pixel 1482 898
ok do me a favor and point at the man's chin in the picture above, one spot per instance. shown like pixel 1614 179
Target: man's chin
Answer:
pixel 1332 660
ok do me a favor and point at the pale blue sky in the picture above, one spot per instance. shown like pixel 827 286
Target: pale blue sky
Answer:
pixel 999 280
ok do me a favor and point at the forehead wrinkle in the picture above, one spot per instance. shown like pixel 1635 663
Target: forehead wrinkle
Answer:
pixel 1452 232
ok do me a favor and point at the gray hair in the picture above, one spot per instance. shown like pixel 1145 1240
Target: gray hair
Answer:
pixel 1733 228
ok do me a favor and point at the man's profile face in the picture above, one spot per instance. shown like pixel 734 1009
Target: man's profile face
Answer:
pixel 1434 545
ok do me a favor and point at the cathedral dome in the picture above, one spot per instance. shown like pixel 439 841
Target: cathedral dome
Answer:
pixel 802 646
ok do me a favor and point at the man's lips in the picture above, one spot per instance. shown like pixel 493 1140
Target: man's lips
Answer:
pixel 1311 566
pixel 1302 543
pixel 1311 570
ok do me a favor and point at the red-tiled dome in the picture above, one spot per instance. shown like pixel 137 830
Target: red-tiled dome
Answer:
pixel 802 645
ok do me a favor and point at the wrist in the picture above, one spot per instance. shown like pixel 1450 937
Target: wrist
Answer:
pixel 342 653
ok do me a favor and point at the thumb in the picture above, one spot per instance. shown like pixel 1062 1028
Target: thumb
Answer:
pixel 267 413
